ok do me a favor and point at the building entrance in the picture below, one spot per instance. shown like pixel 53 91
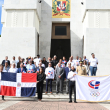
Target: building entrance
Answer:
pixel 60 42
pixel 60 47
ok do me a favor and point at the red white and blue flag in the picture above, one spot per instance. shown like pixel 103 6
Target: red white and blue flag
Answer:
pixel 30 71
pixel 64 61
pixel 62 65
pixel 50 73
pixel 61 5
pixel 18 84
pixel 37 70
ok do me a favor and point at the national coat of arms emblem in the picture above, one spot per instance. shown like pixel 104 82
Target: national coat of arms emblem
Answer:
pixel 61 9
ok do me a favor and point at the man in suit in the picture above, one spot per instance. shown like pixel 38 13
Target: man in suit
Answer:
pixel 6 60
pixel 59 71
pixel 21 69
pixel 40 66
pixel 55 61
pixel 30 67
pixel 66 71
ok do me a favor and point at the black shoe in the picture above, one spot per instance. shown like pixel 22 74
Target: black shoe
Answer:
pixel 57 92
pixel 66 92
pixel 75 102
pixel 70 101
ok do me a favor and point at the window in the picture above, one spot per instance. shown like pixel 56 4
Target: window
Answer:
pixel 60 30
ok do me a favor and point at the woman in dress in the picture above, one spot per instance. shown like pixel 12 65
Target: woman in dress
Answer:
pixel 40 79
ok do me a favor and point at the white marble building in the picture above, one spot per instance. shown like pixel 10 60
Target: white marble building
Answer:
pixel 28 30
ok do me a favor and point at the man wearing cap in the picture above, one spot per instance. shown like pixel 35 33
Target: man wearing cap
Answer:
pixel 81 70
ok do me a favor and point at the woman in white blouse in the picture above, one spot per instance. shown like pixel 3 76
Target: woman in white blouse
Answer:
pixel 13 69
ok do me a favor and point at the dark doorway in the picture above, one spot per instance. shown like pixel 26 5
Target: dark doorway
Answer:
pixel 60 47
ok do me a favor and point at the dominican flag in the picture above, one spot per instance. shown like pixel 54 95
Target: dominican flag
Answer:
pixel 18 84
pixel 62 65
pixel 64 61
pixel 30 71
pixel 25 64
pixel 50 73
pixel 37 70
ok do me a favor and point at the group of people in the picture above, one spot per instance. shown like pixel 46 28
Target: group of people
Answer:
pixel 52 69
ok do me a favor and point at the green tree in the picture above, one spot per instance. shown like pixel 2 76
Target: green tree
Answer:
pixel 0 35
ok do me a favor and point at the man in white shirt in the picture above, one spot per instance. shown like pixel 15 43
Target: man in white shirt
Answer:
pixel 14 61
pixel 72 84
pixel 76 61
pixel 13 69
pixel 49 77
pixel 84 58
pixel 93 62
pixel 36 61
pixel 71 61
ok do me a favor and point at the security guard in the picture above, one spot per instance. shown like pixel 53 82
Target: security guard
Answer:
pixel 81 70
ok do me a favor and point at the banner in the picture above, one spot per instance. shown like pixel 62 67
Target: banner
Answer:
pixel 94 89
pixel 61 8
pixel 18 84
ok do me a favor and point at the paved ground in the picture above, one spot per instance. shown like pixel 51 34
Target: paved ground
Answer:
pixel 50 104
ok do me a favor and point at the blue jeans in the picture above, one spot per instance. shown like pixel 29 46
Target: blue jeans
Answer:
pixel 47 81
pixel 93 70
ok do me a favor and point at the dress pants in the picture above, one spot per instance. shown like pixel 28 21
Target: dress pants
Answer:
pixel 67 86
pixel 40 89
pixel 47 81
pixel 93 70
pixel 71 86
pixel 59 82
pixel 2 97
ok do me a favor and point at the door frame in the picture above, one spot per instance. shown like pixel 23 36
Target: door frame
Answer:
pixel 60 36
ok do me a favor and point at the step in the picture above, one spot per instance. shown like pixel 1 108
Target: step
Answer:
pixel 56 96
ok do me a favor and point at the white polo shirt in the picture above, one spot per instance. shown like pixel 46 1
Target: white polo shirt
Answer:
pixel 70 76
pixel 37 61
pixel 93 62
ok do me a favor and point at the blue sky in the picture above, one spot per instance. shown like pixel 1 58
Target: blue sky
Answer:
pixel 1 2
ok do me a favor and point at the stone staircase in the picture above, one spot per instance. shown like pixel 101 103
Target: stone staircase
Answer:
pixel 54 95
